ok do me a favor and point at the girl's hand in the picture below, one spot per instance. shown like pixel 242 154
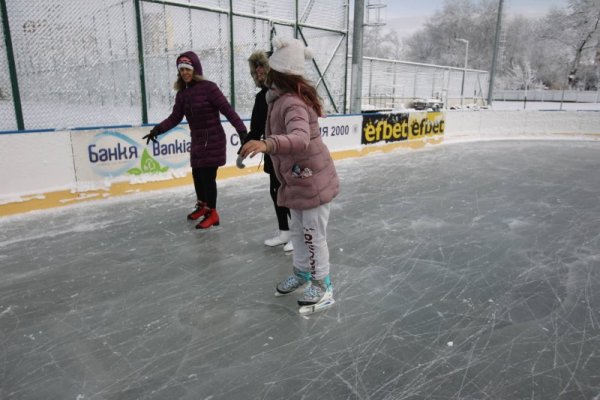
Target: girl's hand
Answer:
pixel 253 147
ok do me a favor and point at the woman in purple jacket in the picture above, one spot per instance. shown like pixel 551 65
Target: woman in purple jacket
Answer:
pixel 201 102
pixel 304 168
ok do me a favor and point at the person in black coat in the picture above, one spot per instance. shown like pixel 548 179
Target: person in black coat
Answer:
pixel 259 67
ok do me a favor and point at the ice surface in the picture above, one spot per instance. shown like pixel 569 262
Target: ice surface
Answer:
pixel 464 271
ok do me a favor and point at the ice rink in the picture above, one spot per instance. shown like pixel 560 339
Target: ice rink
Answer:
pixel 460 271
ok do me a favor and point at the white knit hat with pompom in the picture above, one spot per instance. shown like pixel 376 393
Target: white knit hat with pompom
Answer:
pixel 289 56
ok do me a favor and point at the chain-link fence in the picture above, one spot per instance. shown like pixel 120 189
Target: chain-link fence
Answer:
pixel 77 63
pixel 81 63
pixel 395 84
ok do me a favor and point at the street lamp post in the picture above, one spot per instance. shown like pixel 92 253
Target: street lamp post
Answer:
pixel 462 89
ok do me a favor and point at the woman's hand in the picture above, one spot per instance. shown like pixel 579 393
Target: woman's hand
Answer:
pixel 253 147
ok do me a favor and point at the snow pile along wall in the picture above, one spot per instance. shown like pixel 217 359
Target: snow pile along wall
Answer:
pixel 521 124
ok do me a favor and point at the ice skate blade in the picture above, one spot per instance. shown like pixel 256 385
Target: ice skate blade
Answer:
pixel 307 310
pixel 277 294
pixel 212 228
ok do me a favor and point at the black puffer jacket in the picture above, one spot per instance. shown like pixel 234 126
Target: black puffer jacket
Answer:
pixel 258 120
pixel 257 125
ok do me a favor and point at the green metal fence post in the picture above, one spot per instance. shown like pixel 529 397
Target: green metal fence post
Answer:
pixel 140 45
pixel 12 68
pixel 296 27
pixel 231 57
pixel 347 6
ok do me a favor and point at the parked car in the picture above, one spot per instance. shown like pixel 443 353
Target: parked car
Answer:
pixel 426 104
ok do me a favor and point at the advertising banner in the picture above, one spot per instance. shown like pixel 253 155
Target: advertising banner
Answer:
pixel 341 132
pixel 122 154
pixel 114 153
pixel 399 127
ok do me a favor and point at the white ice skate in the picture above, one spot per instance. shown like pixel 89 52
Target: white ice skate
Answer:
pixel 292 283
pixel 289 247
pixel 320 306
pixel 316 297
pixel 282 237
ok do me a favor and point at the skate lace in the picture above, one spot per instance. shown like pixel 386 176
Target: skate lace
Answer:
pixel 291 282
pixel 313 291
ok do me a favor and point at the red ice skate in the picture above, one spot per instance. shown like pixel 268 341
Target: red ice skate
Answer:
pixel 200 210
pixel 211 218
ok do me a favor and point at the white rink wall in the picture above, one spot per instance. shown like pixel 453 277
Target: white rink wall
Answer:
pixel 36 163
pixel 520 124
pixel 33 163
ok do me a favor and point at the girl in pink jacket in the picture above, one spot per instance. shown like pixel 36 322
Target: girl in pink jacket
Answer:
pixel 304 168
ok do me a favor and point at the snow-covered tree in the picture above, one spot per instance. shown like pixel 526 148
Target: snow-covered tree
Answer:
pixel 576 30
pixel 473 20
pixel 381 42
pixel 521 76
pixel 563 48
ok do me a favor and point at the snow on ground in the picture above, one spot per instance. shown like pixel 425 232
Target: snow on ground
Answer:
pixel 544 105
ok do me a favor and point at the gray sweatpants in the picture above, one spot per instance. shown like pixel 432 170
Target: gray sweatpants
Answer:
pixel 308 229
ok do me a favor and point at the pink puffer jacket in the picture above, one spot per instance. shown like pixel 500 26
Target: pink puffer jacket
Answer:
pixel 301 160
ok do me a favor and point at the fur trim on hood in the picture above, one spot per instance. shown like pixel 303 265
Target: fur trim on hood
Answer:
pixel 257 58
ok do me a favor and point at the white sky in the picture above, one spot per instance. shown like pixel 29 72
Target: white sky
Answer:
pixel 407 16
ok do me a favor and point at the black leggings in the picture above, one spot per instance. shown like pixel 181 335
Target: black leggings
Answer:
pixel 282 212
pixel 205 183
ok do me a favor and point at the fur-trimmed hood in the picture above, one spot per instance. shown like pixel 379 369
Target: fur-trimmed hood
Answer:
pixel 257 58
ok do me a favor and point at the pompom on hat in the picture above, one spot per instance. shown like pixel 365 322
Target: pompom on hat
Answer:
pixel 289 56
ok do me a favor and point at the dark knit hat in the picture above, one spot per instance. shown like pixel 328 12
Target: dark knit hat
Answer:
pixel 184 62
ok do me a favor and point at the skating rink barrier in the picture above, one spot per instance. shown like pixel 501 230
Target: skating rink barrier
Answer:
pixel 50 169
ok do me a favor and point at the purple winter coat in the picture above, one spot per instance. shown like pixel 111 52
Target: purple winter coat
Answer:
pixel 200 103
pixel 293 134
